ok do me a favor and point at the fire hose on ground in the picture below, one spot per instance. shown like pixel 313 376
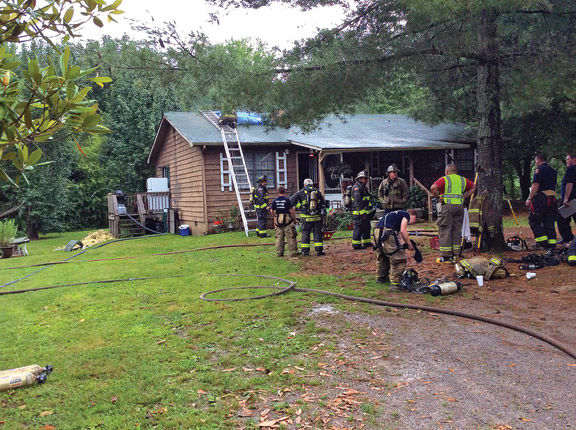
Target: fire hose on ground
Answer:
pixel 282 290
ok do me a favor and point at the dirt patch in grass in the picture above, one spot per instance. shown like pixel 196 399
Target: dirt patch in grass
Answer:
pixel 401 369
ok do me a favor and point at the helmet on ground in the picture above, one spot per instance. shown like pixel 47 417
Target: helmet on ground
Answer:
pixel 262 179
pixel 392 168
pixel 362 174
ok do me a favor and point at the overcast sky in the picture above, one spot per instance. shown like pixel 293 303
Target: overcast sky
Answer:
pixel 277 25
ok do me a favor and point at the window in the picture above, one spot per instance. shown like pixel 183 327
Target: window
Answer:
pixel 166 173
pixel 464 159
pixel 261 163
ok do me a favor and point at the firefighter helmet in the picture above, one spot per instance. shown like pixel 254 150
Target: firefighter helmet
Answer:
pixel 392 168
pixel 262 179
pixel 362 174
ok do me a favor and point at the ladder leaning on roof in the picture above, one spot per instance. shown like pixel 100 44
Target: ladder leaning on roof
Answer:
pixel 236 164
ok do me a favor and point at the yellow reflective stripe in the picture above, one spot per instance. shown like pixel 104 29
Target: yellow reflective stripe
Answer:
pixel 262 206
pixel 572 258
pixel 541 239
pixel 304 245
pixel 552 241
pixel 366 198
pixel 366 240
pixel 356 242
pixel 445 248
pixel 318 243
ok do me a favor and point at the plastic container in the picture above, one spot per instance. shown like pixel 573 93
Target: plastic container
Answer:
pixel 480 280
pixel 184 230
pixel 121 209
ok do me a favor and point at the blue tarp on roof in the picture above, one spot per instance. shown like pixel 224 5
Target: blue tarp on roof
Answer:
pixel 246 118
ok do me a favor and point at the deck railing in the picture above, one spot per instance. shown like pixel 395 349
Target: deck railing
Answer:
pixel 139 206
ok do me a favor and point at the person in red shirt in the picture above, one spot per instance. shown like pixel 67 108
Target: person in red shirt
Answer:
pixel 452 190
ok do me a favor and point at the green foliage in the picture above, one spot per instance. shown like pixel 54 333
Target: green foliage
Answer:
pixel 38 101
pixel 417 198
pixel 337 220
pixel 8 230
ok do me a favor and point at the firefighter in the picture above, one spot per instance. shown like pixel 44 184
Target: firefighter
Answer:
pixel 391 240
pixel 542 204
pixel 571 256
pixel 451 190
pixel 284 218
pixel 312 206
pixel 568 193
pixel 361 212
pixel 393 191
pixel 259 198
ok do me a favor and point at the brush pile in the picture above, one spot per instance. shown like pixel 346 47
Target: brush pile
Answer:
pixel 96 237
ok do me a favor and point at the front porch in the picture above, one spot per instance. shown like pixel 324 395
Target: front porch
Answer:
pixel 333 171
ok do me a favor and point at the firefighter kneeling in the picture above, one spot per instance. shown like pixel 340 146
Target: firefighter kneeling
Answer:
pixel 391 239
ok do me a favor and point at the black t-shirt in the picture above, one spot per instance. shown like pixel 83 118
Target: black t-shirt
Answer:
pixel 393 220
pixel 546 177
pixel 569 177
pixel 281 205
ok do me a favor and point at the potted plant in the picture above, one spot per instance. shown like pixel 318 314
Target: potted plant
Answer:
pixel 234 212
pixel 219 223
pixel 8 232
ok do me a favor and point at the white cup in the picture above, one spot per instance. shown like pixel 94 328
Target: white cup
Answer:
pixel 530 275
pixel 480 280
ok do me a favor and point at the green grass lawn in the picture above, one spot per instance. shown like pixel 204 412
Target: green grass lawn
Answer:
pixel 150 353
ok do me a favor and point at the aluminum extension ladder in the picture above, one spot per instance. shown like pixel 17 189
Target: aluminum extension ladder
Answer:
pixel 236 165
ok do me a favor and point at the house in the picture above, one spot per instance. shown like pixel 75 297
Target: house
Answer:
pixel 188 150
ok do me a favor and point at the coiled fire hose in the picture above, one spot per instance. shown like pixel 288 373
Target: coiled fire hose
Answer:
pixel 291 286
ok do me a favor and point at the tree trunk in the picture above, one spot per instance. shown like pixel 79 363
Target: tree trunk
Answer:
pixel 523 170
pixel 490 123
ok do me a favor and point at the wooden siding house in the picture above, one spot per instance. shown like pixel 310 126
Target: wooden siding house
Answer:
pixel 189 152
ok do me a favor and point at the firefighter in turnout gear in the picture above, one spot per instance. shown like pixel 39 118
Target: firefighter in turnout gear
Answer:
pixel 453 189
pixel 391 239
pixel 571 256
pixel 361 212
pixel 393 191
pixel 284 219
pixel 542 204
pixel 259 198
pixel 312 206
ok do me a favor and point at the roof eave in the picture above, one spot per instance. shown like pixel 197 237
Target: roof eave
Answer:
pixel 162 125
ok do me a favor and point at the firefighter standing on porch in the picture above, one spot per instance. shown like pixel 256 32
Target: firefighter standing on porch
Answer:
pixel 453 189
pixel 312 206
pixel 361 212
pixel 259 198
pixel 542 204
pixel 393 191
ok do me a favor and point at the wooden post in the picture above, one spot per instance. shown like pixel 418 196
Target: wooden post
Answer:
pixel 411 170
pixel 321 179
pixel 430 211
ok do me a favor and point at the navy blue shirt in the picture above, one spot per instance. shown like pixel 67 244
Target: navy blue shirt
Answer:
pixel 281 205
pixel 569 177
pixel 393 220
pixel 546 177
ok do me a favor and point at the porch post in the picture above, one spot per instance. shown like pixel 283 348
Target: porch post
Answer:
pixel 411 169
pixel 321 179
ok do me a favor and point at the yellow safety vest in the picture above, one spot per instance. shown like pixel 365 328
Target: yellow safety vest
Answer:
pixel 454 187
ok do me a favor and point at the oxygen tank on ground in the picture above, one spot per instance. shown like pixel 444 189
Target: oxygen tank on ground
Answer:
pixel 35 369
pixel 16 380
pixel 445 288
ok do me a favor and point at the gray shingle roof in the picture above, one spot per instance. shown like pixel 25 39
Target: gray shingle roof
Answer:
pixel 355 132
